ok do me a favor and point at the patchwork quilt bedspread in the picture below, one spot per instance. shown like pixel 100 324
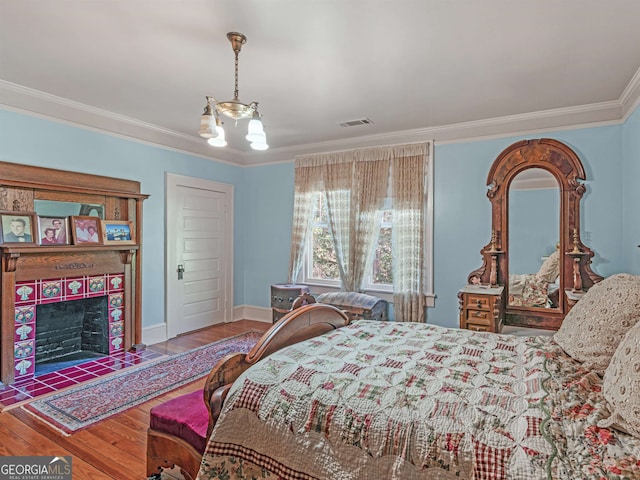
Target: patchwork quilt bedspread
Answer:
pixel 528 290
pixel 385 400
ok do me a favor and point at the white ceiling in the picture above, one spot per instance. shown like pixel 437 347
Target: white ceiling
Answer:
pixel 423 69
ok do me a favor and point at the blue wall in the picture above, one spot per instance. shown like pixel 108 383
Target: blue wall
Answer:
pixel 65 147
pixel 631 192
pixel 269 199
pixel 264 202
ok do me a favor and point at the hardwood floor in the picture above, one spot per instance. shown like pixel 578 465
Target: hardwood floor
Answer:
pixel 116 447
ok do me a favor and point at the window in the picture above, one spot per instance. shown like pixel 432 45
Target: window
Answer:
pixel 379 201
pixel 321 265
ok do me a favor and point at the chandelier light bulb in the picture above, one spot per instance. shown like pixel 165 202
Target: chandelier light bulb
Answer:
pixel 255 131
pixel 219 140
pixel 207 123
pixel 260 143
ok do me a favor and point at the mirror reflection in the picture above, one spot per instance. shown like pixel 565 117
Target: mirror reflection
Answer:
pixel 51 208
pixel 534 232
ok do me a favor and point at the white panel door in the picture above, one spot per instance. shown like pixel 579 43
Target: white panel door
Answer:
pixel 199 254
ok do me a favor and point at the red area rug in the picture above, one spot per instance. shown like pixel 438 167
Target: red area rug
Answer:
pixel 80 407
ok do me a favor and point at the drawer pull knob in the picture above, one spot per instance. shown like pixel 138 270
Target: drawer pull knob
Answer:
pixel 479 303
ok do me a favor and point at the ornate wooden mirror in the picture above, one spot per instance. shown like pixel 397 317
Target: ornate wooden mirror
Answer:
pixel 535 250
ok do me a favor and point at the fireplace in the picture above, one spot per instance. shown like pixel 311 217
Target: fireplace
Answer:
pixel 65 316
pixel 32 275
pixel 70 332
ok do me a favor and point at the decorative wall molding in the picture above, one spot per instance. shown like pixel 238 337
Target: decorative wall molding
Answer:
pixel 33 102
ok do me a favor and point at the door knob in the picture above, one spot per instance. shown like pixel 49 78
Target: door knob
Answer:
pixel 180 271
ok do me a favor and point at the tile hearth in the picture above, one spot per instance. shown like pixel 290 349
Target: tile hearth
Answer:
pixel 33 387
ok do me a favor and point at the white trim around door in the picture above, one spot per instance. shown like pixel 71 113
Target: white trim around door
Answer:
pixel 174 304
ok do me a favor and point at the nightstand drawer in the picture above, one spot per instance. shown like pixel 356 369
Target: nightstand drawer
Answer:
pixel 481 302
pixel 478 328
pixel 480 317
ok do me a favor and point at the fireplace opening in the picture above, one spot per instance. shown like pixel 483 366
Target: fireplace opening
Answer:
pixel 70 332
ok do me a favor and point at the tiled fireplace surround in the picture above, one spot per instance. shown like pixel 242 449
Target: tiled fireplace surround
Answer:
pixel 30 294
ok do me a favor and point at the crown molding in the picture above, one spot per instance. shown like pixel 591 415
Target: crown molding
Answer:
pixel 40 104
pixel 37 103
pixel 630 98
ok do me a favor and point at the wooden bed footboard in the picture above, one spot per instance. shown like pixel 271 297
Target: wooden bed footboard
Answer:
pixel 300 324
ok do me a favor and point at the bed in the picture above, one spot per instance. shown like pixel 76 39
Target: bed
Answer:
pixel 385 400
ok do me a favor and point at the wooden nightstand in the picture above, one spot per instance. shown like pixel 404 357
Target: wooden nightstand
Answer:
pixel 481 308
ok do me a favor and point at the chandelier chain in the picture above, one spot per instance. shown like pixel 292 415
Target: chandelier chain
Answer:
pixel 235 93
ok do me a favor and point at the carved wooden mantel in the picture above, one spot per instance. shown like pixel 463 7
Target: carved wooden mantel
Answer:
pixel 87 260
pixel 20 186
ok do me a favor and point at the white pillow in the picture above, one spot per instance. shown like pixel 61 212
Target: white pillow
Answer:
pixel 550 269
pixel 594 327
pixel 621 385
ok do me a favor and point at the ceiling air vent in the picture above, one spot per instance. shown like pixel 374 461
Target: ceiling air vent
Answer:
pixel 355 123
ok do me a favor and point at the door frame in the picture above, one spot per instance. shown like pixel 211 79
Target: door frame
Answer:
pixel 172 182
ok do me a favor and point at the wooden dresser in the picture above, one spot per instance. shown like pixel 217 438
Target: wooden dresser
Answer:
pixel 481 308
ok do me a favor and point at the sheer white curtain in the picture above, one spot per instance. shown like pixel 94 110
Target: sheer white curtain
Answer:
pixel 409 174
pixel 338 179
pixel 355 185
pixel 308 181
pixel 355 192
pixel 369 191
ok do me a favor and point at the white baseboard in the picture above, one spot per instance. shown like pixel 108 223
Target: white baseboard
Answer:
pixel 249 312
pixel 158 333
pixel 154 334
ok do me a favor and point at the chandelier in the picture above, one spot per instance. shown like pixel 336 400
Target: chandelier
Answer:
pixel 210 124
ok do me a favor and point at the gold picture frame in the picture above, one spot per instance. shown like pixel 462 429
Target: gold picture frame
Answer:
pixel 18 228
pixel 53 230
pixel 86 230
pixel 118 232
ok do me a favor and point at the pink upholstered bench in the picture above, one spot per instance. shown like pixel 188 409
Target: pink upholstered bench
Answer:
pixel 177 434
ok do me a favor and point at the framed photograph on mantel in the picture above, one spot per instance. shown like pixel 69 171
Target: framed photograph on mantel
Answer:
pixel 86 230
pixel 17 227
pixel 53 231
pixel 118 232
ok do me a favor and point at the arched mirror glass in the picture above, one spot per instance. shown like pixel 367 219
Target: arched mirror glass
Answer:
pixel 534 233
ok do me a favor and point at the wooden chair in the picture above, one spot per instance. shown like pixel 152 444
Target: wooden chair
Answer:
pixel 179 428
